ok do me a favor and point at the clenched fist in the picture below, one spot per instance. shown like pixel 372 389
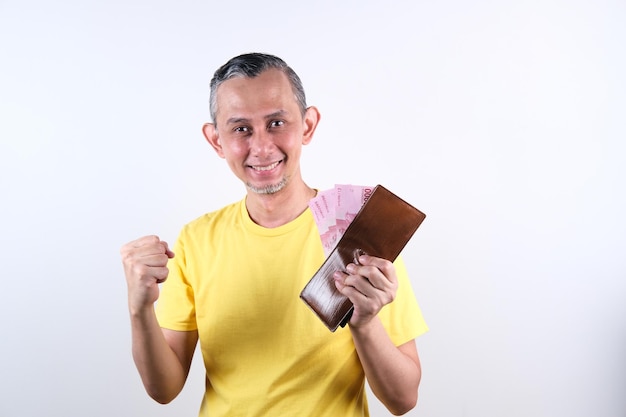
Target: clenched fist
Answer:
pixel 145 266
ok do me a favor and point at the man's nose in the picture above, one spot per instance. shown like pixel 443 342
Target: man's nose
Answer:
pixel 261 142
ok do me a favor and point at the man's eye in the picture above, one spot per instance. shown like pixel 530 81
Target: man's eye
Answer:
pixel 241 129
pixel 277 123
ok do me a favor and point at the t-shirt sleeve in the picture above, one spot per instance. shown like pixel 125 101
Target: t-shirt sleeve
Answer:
pixel 403 317
pixel 175 308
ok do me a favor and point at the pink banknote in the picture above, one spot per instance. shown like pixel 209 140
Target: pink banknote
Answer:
pixel 334 209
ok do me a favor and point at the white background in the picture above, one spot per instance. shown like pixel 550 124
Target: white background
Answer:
pixel 503 121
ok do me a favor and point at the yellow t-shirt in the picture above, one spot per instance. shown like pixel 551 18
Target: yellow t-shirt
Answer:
pixel 265 352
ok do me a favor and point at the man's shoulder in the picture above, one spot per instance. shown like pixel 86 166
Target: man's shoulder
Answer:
pixel 226 214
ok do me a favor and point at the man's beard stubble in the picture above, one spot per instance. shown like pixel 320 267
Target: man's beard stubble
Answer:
pixel 268 189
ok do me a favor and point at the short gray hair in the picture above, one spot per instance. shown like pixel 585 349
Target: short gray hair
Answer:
pixel 249 66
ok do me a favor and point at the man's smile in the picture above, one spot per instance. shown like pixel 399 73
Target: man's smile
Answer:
pixel 269 167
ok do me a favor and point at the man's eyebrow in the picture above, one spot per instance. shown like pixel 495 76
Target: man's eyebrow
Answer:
pixel 277 113
pixel 236 120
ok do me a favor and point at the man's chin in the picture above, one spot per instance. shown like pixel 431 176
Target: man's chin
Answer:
pixel 267 189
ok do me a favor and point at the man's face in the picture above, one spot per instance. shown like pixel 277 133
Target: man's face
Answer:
pixel 260 130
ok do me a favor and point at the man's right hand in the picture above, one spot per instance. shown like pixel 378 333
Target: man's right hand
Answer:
pixel 145 266
pixel 163 357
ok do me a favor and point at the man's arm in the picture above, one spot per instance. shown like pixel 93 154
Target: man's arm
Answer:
pixel 393 372
pixel 163 357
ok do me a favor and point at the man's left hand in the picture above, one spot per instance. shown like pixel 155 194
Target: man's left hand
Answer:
pixel 370 285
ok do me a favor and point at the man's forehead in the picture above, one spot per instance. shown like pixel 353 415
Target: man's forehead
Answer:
pixel 268 92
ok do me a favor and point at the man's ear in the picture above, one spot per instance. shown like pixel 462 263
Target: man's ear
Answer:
pixel 312 117
pixel 212 136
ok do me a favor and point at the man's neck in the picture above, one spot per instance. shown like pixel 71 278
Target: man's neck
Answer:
pixel 273 210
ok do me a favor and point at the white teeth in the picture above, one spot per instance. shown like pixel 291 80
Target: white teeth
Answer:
pixel 267 167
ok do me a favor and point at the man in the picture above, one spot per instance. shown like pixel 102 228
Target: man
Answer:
pixel 234 278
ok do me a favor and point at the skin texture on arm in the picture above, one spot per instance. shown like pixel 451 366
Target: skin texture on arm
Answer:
pixel 393 372
pixel 162 357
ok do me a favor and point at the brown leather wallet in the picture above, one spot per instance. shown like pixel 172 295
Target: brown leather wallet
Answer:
pixel 381 228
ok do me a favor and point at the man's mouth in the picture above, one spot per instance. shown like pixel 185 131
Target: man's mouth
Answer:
pixel 261 168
